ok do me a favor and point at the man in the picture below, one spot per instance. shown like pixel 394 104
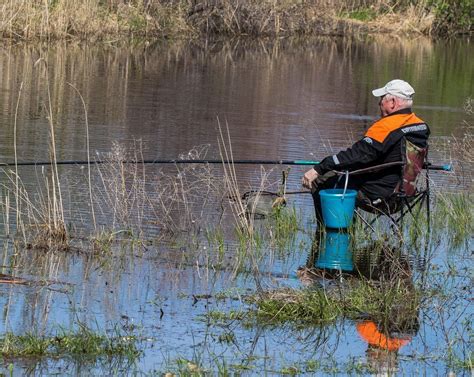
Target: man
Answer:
pixel 381 144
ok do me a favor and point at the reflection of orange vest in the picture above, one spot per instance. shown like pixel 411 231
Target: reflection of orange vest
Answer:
pixel 369 332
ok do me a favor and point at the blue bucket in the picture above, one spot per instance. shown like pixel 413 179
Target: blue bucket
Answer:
pixel 336 254
pixel 338 207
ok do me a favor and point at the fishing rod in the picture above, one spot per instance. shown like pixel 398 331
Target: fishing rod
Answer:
pixel 177 161
pixel 446 167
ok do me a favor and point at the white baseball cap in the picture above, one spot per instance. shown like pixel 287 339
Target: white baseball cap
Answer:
pixel 398 88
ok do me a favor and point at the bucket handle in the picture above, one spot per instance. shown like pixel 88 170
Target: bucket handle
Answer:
pixel 345 184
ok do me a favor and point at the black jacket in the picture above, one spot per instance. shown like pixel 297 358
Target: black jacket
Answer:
pixel 382 143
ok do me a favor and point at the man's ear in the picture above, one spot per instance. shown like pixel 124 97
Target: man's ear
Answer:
pixel 393 103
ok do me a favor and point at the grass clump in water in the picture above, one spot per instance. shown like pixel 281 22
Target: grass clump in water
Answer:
pixel 394 301
pixel 220 316
pixel 310 306
pixel 83 343
pixel 287 225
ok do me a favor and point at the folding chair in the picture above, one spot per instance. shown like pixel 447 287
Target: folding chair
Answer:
pixel 407 194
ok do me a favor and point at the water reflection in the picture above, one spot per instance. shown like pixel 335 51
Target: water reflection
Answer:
pixel 383 347
pixel 172 94
pixel 336 253
pixel 394 295
pixel 386 337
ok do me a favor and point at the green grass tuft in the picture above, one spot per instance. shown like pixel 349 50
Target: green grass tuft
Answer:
pixel 83 343
pixel 395 301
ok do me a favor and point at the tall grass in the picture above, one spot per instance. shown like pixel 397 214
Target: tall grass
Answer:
pixel 53 201
pixel 15 126
pixel 123 195
pixel 91 19
pixel 254 238
pixel 186 197
pixel 463 148
pixel 89 175
pixel 43 214
pixel 38 224
pixel 96 19
pixel 454 217
pixel 169 202
pixel 245 224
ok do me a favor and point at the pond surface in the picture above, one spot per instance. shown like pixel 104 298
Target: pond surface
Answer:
pixel 286 99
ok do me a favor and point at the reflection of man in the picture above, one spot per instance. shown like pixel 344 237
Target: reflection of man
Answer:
pixel 381 144
pixel 369 331
pixel 382 350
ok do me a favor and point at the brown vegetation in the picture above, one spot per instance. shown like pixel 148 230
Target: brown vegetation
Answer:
pixel 112 19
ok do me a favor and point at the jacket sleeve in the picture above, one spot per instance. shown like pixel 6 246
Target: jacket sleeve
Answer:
pixel 359 155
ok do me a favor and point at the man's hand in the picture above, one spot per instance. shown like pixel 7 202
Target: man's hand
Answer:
pixel 308 178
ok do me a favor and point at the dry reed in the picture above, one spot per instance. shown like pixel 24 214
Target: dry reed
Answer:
pixel 466 144
pixel 246 228
pixel 459 150
pixel 38 221
pixel 90 19
pixel 177 200
pixel 42 217
pixel 95 19
pixel 188 197
pixel 89 176
pixel 122 196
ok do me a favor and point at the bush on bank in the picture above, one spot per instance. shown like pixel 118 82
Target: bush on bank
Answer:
pixel 108 19
pixel 452 16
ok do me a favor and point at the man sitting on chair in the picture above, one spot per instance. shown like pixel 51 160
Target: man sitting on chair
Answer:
pixel 383 143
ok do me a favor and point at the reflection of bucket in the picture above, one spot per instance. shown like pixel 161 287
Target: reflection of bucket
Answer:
pixel 338 207
pixel 336 254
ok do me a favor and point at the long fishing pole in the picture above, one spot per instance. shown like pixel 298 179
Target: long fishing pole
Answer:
pixel 446 167
pixel 177 161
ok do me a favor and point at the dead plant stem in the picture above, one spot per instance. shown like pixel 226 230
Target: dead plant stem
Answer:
pixel 245 223
pixel 88 154
pixel 58 214
pixel 15 129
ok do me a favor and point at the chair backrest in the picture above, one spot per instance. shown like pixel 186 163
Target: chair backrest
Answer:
pixel 414 159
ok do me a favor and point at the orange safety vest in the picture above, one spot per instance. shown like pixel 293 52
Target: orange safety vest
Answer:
pixel 386 125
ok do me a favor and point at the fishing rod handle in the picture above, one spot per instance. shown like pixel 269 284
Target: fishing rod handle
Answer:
pixel 445 167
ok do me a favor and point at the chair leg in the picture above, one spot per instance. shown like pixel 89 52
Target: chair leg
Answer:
pixel 427 192
pixel 419 200
pixel 393 221
pixel 361 218
pixel 402 215
pixel 397 222
pixel 428 211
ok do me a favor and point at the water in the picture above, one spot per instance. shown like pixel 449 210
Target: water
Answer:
pixel 289 99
